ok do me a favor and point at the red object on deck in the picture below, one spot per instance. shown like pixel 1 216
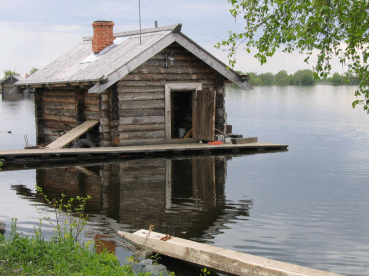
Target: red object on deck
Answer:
pixel 215 143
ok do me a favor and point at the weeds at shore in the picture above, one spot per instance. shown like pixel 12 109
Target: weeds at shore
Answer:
pixel 62 254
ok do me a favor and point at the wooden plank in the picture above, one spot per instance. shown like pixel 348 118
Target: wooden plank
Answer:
pixel 142 135
pixel 56 118
pixel 170 77
pixel 225 260
pixel 148 104
pixel 134 128
pixel 129 96
pixel 72 135
pixel 56 105
pixel 58 99
pixel 141 120
pixel 124 83
pixel 142 112
pixel 172 70
pixel 140 89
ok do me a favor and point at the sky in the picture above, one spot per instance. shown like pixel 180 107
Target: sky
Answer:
pixel 36 32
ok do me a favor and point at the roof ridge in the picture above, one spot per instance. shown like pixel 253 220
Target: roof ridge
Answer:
pixel 176 28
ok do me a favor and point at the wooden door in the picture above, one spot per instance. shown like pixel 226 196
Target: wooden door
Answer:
pixel 204 115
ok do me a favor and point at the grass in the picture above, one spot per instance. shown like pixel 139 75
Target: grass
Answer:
pixel 33 255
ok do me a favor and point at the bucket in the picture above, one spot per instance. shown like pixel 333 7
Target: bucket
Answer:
pixel 181 132
pixel 227 140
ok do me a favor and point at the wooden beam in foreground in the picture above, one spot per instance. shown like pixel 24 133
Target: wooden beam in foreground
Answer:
pixel 218 258
pixel 72 135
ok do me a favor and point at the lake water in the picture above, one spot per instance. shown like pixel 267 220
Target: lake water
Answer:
pixel 307 206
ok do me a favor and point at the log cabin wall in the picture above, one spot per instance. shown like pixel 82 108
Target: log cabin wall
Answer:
pixel 56 111
pixel 141 94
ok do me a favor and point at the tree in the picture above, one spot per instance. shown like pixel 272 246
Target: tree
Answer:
pixel 33 70
pixel 254 80
pixel 304 77
pixel 267 78
pixel 8 73
pixel 282 78
pixel 337 79
pixel 333 27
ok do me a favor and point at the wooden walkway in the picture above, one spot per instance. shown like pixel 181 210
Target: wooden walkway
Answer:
pixel 33 156
pixel 72 135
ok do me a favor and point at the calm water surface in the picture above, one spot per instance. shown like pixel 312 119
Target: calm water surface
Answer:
pixel 307 206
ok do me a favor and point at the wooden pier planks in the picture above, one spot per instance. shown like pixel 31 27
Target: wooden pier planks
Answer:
pixel 221 259
pixel 72 135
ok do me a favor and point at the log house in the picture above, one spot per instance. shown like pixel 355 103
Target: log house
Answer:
pixel 163 90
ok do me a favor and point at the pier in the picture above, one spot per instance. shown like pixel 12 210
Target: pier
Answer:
pixel 70 155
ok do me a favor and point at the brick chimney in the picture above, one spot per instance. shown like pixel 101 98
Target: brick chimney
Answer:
pixel 103 35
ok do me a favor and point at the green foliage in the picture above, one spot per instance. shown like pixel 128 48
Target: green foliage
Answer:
pixel 303 77
pixel 332 27
pixel 1 163
pixel 267 78
pixel 24 255
pixel 33 70
pixel 337 79
pixel 282 78
pixel 254 80
pixel 204 272
pixel 8 73
pixel 70 216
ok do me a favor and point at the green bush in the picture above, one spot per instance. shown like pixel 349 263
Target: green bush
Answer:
pixel 24 255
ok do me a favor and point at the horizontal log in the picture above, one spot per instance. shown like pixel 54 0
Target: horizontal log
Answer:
pixel 124 83
pixel 142 165
pixel 137 178
pixel 141 96
pixel 142 135
pixel 62 93
pixel 59 125
pixel 141 142
pixel 169 77
pixel 92 101
pixel 53 132
pixel 141 104
pixel 141 120
pixel 54 105
pixel 133 128
pixel 181 56
pixel 140 89
pixel 184 63
pixel 173 69
pixel 59 118
pixel 92 108
pixel 91 115
pixel 62 112
pixel 59 99
pixel 142 112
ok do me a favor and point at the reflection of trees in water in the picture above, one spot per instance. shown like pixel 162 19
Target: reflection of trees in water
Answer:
pixel 183 197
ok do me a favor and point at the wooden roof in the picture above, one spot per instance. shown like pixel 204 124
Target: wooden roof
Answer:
pixel 80 65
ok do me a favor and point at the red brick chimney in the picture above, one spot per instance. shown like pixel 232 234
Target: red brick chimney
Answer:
pixel 103 35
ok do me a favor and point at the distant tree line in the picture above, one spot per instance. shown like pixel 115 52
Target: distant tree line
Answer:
pixel 301 77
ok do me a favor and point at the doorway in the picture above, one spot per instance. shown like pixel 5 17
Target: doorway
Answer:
pixel 181 106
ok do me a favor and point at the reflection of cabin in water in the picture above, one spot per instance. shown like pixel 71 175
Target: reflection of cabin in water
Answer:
pixel 184 195
pixel 145 88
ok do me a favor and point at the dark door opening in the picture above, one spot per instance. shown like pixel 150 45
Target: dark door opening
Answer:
pixel 181 106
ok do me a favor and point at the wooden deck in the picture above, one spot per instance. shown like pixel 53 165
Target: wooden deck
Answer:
pixel 33 156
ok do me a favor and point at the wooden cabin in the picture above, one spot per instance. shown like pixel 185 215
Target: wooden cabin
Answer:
pixel 148 87
pixel 7 84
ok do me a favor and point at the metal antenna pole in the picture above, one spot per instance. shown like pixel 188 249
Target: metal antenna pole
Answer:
pixel 139 13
